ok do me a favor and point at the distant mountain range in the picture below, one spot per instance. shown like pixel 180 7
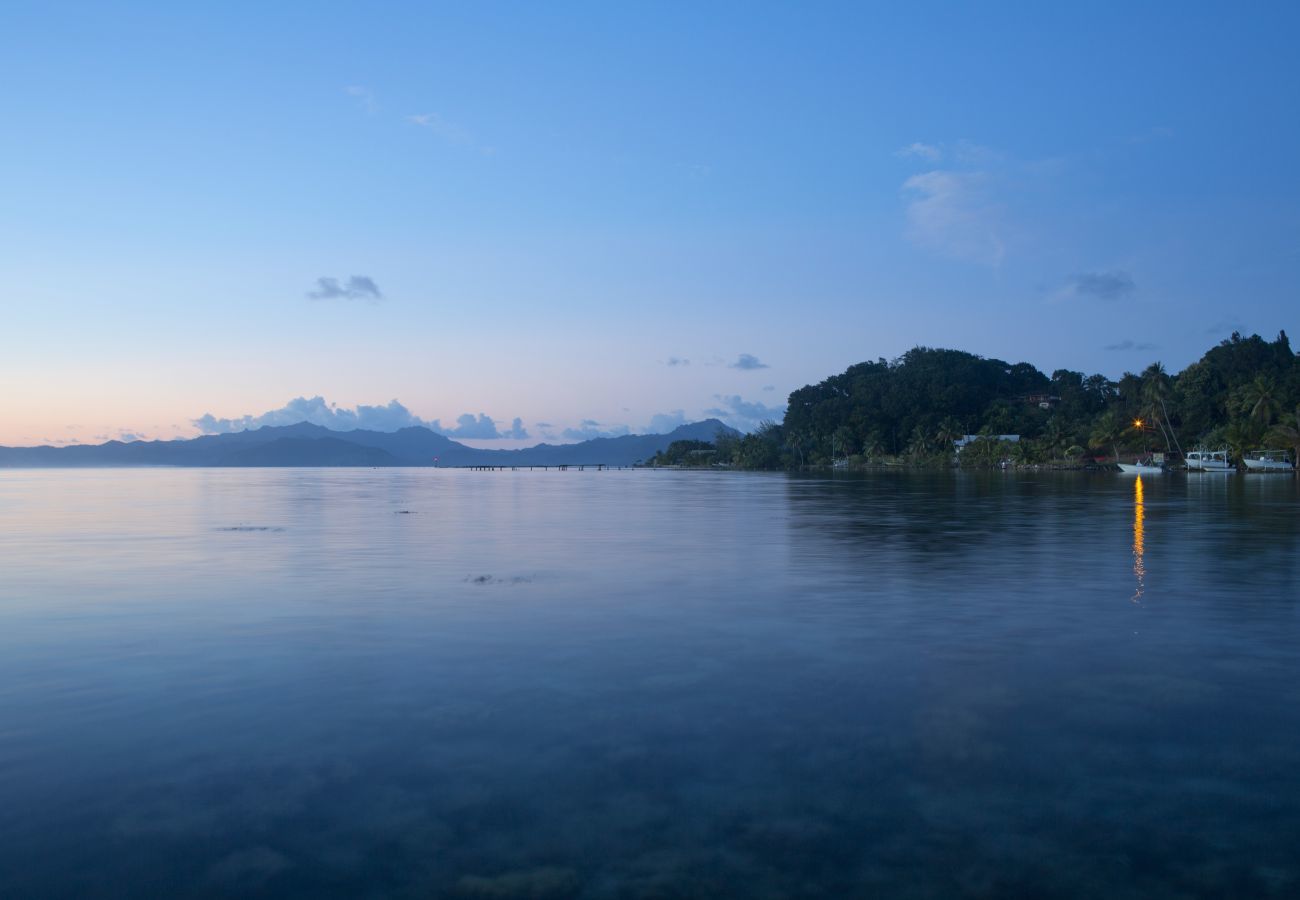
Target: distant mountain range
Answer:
pixel 305 444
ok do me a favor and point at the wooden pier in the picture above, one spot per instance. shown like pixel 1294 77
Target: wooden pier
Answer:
pixel 561 467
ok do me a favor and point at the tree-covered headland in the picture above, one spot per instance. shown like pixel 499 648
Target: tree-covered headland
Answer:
pixel 1242 394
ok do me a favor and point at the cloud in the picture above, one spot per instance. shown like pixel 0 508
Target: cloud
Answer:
pixel 128 436
pixel 1132 345
pixel 357 287
pixel 1226 326
pixel 363 96
pixel 1158 133
pixel 662 423
pixel 590 429
pixel 921 151
pixel 1102 285
pixel 950 212
pixel 677 361
pixel 392 417
pixel 448 131
pixel 742 414
pixel 479 428
pixel 318 412
pixel 769 387
pixel 748 363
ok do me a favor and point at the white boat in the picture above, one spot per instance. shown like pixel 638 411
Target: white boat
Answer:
pixel 1202 460
pixel 1268 461
pixel 1142 467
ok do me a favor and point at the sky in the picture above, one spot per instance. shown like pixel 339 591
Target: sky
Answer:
pixel 520 222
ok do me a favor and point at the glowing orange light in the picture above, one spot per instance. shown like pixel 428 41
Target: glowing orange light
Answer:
pixel 1139 540
pixel 1137 423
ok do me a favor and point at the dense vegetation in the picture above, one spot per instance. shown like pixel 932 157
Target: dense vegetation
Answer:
pixel 687 453
pixel 1242 394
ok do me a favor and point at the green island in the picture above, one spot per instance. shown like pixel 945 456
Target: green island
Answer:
pixel 940 408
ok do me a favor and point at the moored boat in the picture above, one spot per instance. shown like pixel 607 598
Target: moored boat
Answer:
pixel 1268 461
pixel 1147 466
pixel 1202 460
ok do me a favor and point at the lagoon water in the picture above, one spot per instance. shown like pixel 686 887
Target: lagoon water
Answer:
pixel 631 684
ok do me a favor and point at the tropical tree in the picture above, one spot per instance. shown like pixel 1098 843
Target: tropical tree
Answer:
pixel 948 431
pixel 1024 452
pixel 918 444
pixel 1287 433
pixel 1156 386
pixel 1107 431
pixel 874 446
pixel 1259 400
pixel 1054 437
pixel 1241 435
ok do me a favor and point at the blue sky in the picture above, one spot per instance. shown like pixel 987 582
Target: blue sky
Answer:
pixel 598 217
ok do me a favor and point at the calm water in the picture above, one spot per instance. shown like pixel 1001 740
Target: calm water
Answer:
pixel 421 683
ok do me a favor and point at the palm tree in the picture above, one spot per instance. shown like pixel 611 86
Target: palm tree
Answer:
pixel 1240 436
pixel 874 447
pixel 1054 437
pixel 1288 432
pixel 919 444
pixel 1259 400
pixel 949 430
pixel 1107 432
pixel 1156 384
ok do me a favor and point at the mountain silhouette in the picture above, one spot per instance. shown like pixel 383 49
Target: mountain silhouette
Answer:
pixel 305 444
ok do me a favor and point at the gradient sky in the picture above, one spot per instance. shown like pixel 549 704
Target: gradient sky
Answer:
pixel 591 215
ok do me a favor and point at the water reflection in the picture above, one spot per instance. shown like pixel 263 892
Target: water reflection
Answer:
pixel 1139 540
pixel 645 684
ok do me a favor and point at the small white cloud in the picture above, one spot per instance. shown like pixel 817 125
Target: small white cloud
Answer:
pixel 920 151
pixel 363 96
pixel 444 129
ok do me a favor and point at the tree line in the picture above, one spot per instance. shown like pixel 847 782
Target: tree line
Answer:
pixel 1242 394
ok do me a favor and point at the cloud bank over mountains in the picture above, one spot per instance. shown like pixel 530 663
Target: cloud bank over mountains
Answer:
pixel 744 415
pixel 392 417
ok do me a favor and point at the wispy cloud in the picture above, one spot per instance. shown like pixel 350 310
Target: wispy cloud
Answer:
pixel 1132 345
pixel 676 361
pixel 743 414
pixel 1158 133
pixel 951 212
pixel 590 429
pixel 921 151
pixel 748 362
pixel 447 130
pixel 1102 285
pixel 357 287
pixel 1226 326
pixel 364 96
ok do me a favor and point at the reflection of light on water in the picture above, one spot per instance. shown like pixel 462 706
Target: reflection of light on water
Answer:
pixel 1139 566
